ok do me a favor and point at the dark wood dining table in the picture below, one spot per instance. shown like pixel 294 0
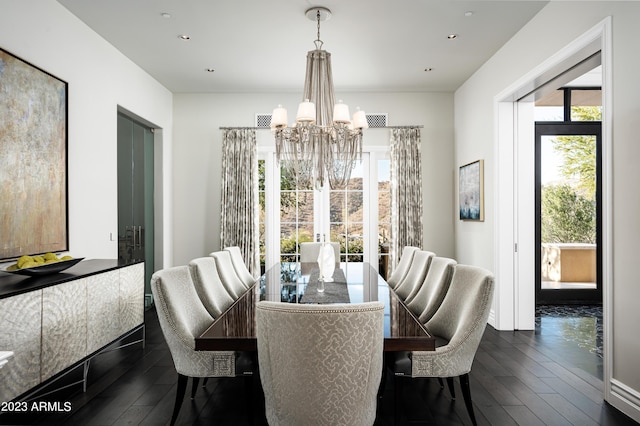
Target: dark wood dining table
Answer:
pixel 354 282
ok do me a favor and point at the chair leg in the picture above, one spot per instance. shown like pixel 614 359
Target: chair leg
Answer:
pixel 248 386
pixel 466 393
pixel 398 383
pixel 383 379
pixel 441 382
pixel 204 382
pixel 452 391
pixel 194 386
pixel 182 387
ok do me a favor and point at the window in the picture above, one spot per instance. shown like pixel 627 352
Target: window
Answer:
pixel 291 214
pixel 570 104
pixel 346 217
pixel 384 215
pixel 297 218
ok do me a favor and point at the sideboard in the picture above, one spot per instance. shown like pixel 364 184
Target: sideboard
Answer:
pixel 56 322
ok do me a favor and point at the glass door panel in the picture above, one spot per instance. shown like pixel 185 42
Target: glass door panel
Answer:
pixel 357 217
pixel 135 195
pixel 346 207
pixel 568 207
pixel 296 219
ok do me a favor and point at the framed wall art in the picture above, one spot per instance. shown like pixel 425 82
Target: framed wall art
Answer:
pixel 33 159
pixel 471 191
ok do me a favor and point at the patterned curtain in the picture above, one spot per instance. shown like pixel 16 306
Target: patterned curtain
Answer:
pixel 239 207
pixel 406 191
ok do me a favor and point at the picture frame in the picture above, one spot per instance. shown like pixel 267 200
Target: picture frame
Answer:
pixel 33 159
pixel 471 191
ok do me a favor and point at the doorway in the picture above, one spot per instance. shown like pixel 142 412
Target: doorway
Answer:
pixel 135 196
pixel 568 147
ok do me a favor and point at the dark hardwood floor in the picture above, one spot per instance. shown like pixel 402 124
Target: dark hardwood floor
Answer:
pixel 518 378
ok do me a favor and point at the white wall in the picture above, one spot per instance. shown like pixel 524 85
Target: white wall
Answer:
pixel 557 25
pixel 100 78
pixel 197 158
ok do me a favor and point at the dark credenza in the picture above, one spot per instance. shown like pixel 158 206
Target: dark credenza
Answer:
pixel 55 322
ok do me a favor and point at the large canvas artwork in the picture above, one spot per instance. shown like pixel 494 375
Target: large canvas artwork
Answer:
pixel 33 159
pixel 471 191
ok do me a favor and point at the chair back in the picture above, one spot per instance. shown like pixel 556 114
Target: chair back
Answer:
pixel 309 251
pixel 462 317
pixel 181 315
pixel 213 294
pixel 415 275
pixel 241 268
pixel 227 274
pixel 320 364
pixel 403 266
pixel 429 296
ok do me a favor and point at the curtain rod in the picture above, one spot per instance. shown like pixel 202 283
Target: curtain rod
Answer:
pixel 266 128
pixel 242 128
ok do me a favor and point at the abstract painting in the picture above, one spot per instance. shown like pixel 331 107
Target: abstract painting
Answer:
pixel 471 191
pixel 33 159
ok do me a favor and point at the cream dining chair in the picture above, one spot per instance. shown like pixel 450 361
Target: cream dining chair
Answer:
pixel 414 277
pixel 182 317
pixel 309 251
pixel 458 326
pixel 213 294
pixel 403 266
pixel 227 273
pixel 425 301
pixel 320 364
pixel 240 267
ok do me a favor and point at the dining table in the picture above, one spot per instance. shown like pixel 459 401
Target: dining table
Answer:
pixel 295 282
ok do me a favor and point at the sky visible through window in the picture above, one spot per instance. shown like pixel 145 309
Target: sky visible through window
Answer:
pixel 550 161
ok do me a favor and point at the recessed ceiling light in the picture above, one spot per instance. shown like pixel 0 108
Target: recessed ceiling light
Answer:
pixel 428 69
pixel 210 70
pixel 468 13
pixel 184 37
pixel 452 36
pixel 165 15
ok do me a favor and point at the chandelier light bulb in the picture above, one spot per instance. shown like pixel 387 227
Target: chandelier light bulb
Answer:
pixel 360 119
pixel 306 112
pixel 341 113
pixel 279 117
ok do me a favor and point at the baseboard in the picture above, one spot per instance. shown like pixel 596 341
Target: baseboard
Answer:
pixel 625 399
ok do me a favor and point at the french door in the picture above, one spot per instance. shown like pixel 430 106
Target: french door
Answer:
pixel 292 213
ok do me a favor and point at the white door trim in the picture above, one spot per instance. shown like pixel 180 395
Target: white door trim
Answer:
pixel 511 312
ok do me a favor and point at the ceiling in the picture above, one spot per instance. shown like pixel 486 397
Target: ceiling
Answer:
pixel 260 46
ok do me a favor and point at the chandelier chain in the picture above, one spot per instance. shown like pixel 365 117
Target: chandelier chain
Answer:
pixel 318 42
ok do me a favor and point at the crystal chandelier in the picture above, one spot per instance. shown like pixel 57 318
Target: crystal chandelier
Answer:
pixel 316 149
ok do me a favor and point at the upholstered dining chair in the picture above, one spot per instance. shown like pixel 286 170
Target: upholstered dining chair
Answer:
pixel 458 326
pixel 241 268
pixel 320 364
pixel 213 294
pixel 227 273
pixel 403 266
pixel 309 251
pixel 426 299
pixel 182 317
pixel 416 274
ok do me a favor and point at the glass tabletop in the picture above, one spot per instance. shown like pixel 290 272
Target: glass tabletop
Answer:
pixel 288 282
pixel 298 283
